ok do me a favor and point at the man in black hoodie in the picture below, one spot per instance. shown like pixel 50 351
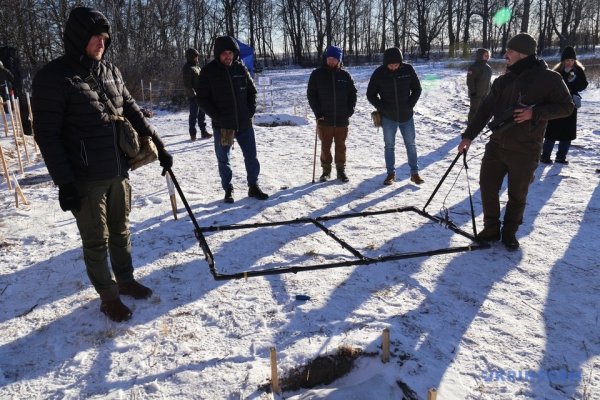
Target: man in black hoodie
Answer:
pixel 226 93
pixel 521 102
pixel 78 139
pixel 394 90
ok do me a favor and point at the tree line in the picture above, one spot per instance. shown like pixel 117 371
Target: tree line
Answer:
pixel 149 37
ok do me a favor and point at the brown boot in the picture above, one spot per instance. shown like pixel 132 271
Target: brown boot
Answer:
pixel 391 178
pixel 134 289
pixel 416 179
pixel 115 310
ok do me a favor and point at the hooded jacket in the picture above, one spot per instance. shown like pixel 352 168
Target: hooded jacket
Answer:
pixel 331 95
pixel 73 127
pixel 528 82
pixel 479 76
pixel 394 93
pixel 227 93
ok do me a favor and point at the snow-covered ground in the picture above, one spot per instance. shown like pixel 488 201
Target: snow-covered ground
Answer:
pixel 487 324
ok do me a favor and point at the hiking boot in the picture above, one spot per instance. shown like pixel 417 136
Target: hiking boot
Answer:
pixel 391 178
pixel 416 179
pixel 134 289
pixel 115 310
pixel 326 175
pixel 193 138
pixel 545 160
pixel 510 241
pixel 489 234
pixel 254 191
pixel 228 196
pixel 206 135
pixel 341 173
pixel 561 161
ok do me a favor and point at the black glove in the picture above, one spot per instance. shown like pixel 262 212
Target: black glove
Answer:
pixel 165 160
pixel 68 197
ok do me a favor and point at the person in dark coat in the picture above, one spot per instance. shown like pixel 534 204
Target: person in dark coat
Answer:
pixel 331 95
pixel 78 140
pixel 394 89
pixel 226 93
pixel 190 73
pixel 521 102
pixel 564 130
pixel 479 79
pixel 6 82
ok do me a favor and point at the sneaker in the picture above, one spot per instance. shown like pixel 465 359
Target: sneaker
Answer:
pixel 341 175
pixel 391 178
pixel 562 161
pixel 206 135
pixel 489 234
pixel 415 178
pixel 228 196
pixel 546 160
pixel 115 310
pixel 134 289
pixel 254 191
pixel 510 241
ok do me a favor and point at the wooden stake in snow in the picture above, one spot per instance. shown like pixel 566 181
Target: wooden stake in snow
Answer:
pixel 432 394
pixel 17 124
pixel 5 168
pixel 274 378
pixel 171 189
pixel 4 121
pixel 35 148
pixel 15 136
pixel 19 193
pixel 385 346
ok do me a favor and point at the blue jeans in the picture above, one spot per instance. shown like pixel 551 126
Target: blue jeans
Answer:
pixel 407 129
pixel 247 143
pixel 196 114
pixel 563 148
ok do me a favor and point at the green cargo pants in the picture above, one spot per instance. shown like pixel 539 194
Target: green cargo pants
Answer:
pixel 103 223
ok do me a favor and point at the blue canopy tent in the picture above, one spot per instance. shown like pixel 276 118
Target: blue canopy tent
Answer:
pixel 247 56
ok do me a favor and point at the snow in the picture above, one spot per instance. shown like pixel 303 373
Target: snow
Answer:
pixel 488 324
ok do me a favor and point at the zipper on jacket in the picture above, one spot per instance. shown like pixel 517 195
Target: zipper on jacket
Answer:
pixel 237 120
pixel 116 146
pixel 334 99
pixel 83 152
pixel 395 79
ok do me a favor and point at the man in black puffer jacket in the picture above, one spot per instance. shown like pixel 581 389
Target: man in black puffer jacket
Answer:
pixel 225 91
pixel 332 97
pixel 78 140
pixel 394 90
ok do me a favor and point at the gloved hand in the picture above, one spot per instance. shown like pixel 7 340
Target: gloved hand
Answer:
pixel 165 160
pixel 68 197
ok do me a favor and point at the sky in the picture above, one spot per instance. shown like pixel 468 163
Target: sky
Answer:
pixel 485 324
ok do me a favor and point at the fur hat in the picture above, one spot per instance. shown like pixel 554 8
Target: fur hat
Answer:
pixel 393 55
pixel 523 43
pixel 568 53
pixel 335 52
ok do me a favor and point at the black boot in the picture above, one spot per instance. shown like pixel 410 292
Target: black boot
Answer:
pixel 490 233
pixel 341 173
pixel 254 191
pixel 115 310
pixel 326 175
pixel 134 289
pixel 509 240
pixel 229 195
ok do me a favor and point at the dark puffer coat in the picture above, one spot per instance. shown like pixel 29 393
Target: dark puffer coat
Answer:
pixel 528 82
pixel 566 128
pixel 73 128
pixel 227 93
pixel 331 95
pixel 479 76
pixel 394 93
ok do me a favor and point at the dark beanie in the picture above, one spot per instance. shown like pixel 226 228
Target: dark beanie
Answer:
pixel 568 53
pixel 393 55
pixel 523 43
pixel 335 52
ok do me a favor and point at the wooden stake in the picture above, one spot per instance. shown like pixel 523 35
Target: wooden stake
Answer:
pixel 18 125
pixel 4 121
pixel 16 138
pixel 5 169
pixel 171 189
pixel 35 148
pixel 19 193
pixel 274 378
pixel 432 394
pixel 385 347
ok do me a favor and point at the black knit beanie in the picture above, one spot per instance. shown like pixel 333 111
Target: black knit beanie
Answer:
pixel 393 55
pixel 568 53
pixel 523 43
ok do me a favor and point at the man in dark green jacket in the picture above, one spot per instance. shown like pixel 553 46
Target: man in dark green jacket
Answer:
pixel 521 102
pixel 190 72
pixel 479 78
pixel 78 139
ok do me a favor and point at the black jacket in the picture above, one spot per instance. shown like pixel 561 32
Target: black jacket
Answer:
pixel 73 128
pixel 394 93
pixel 227 93
pixel 332 96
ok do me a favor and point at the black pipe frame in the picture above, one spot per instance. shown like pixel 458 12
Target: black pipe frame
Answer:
pixel 360 259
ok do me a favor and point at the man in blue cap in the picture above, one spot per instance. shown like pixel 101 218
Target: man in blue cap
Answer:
pixel 332 97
